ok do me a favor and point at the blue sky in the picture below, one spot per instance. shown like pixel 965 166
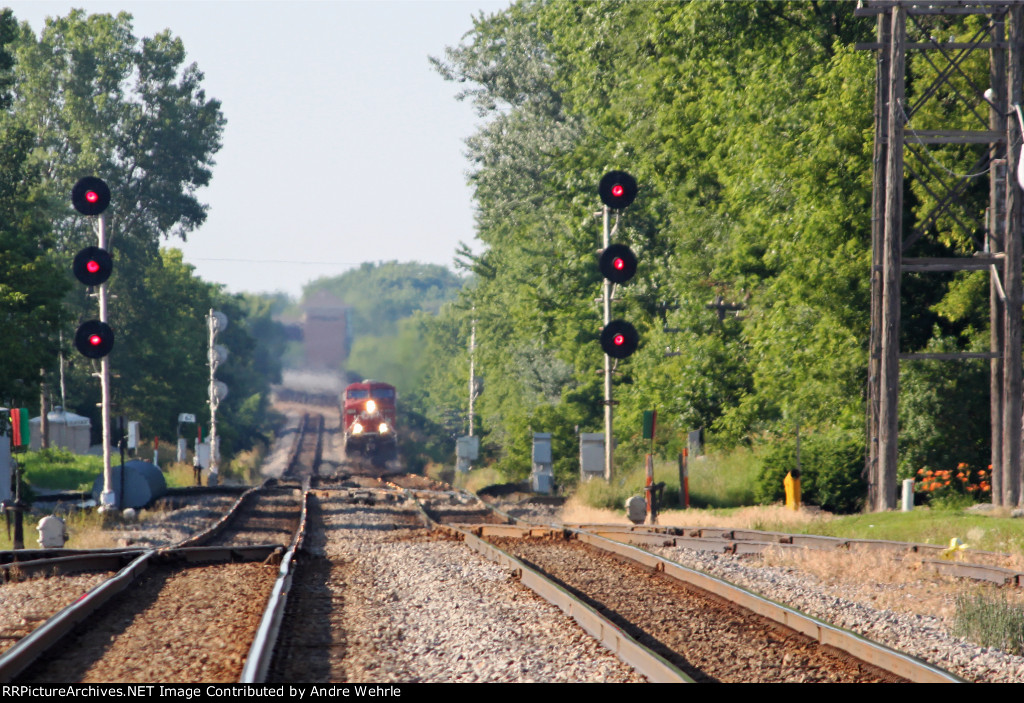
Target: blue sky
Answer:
pixel 342 144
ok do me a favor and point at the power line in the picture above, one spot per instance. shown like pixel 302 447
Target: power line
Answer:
pixel 279 261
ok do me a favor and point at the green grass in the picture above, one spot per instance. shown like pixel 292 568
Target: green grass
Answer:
pixel 59 469
pixel 927 526
pixel 716 481
pixel 724 480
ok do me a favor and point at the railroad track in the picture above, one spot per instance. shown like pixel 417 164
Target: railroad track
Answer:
pixel 353 614
pixel 970 563
pixel 350 584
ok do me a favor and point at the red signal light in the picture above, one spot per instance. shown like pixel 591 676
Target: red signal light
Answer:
pixel 90 196
pixel 94 339
pixel 619 339
pixel 92 266
pixel 617 263
pixel 617 189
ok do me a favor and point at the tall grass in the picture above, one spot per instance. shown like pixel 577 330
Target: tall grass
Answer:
pixel 715 481
pixel 991 621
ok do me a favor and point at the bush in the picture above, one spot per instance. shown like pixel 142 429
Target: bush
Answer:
pixel 831 467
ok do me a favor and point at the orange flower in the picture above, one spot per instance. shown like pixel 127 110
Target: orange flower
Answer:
pixel 961 465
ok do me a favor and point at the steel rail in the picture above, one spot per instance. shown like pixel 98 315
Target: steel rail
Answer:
pixel 19 657
pixel 222 524
pixel 729 541
pixel 99 560
pixel 878 655
pixel 656 668
pixel 261 652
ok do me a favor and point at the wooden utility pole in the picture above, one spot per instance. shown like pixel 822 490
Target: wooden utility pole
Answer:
pixel 1011 278
pixel 892 257
pixel 994 243
pixel 877 239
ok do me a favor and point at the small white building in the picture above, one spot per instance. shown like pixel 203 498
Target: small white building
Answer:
pixel 67 431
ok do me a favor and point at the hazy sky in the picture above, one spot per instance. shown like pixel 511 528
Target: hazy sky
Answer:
pixel 342 144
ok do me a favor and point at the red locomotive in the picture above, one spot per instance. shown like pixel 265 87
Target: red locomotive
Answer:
pixel 368 415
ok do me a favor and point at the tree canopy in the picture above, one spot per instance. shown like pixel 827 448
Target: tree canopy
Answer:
pixel 749 126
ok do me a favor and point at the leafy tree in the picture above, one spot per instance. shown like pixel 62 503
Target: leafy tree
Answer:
pixel 749 128
pixel 31 283
pixel 97 100
pixel 103 102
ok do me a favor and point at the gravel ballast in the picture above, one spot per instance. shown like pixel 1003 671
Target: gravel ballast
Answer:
pixel 411 606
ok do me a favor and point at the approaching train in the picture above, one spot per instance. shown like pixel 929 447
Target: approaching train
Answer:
pixel 368 417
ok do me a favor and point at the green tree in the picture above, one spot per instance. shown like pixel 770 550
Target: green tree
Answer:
pixel 97 100
pixel 31 283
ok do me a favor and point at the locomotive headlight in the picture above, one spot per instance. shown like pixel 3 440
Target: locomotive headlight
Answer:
pixel 371 406
pixel 357 428
pixel 383 429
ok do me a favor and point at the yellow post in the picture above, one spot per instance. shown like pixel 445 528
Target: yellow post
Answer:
pixel 792 484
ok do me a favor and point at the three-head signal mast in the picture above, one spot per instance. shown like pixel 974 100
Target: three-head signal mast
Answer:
pixel 618 264
pixel 94 339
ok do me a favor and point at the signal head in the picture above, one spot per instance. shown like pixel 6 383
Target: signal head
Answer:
pixel 619 339
pixel 90 196
pixel 617 263
pixel 617 189
pixel 94 339
pixel 92 266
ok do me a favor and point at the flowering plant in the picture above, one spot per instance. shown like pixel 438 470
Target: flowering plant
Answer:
pixel 939 484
